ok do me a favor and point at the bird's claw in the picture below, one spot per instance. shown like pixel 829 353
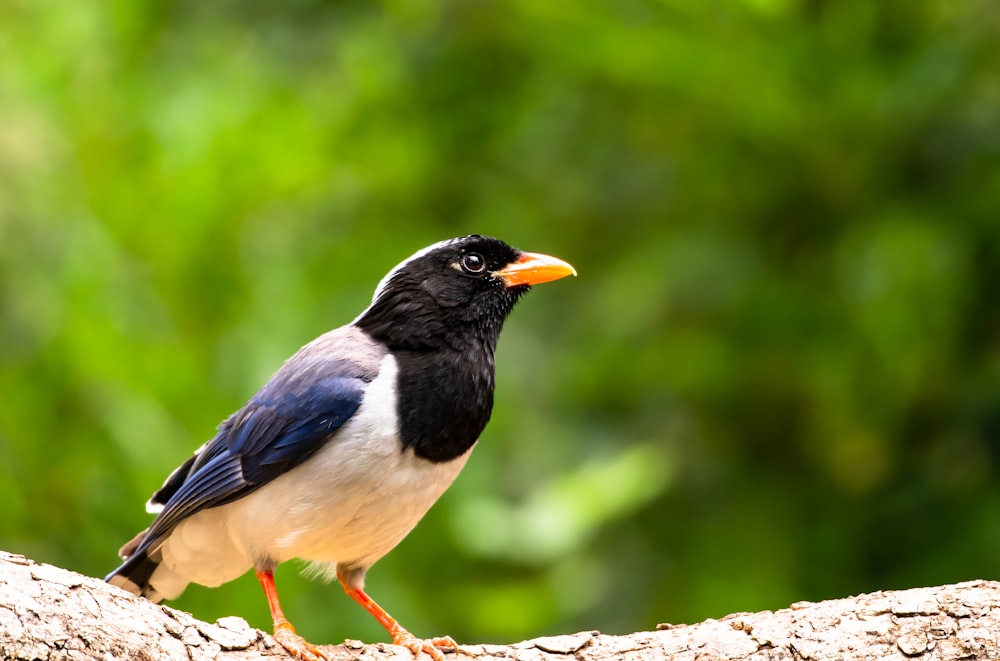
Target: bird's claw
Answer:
pixel 296 645
pixel 431 646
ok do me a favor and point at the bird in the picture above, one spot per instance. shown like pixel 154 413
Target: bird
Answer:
pixel 348 444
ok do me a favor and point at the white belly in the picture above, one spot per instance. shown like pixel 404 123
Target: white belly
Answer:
pixel 352 502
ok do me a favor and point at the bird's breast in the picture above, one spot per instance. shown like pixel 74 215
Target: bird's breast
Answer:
pixel 355 499
pixel 445 400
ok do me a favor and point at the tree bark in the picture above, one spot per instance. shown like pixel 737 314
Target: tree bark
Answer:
pixel 51 613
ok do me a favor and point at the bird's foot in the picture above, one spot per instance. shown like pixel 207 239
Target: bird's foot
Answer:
pixel 296 645
pixel 431 646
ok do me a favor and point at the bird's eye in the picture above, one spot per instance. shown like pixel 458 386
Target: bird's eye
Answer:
pixel 473 263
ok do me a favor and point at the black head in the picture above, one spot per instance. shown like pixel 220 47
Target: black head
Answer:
pixel 453 293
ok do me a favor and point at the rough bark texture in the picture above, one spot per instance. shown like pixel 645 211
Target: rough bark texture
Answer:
pixel 52 613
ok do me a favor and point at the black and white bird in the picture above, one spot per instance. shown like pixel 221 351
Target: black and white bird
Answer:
pixel 349 443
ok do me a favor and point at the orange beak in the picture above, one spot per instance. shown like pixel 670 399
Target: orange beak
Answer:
pixel 533 268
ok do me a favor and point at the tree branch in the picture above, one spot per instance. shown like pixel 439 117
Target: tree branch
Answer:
pixel 51 613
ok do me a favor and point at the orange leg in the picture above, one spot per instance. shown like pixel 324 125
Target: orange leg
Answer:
pixel 284 632
pixel 400 636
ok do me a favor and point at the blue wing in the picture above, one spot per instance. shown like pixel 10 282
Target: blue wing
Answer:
pixel 283 425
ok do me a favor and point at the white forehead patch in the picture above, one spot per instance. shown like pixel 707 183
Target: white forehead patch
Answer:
pixel 384 282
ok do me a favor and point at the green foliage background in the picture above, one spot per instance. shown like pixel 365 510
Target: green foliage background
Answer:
pixel 777 377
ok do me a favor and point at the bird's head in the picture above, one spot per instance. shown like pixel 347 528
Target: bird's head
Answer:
pixel 455 291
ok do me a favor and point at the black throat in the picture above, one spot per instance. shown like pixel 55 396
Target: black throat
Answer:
pixel 445 399
pixel 446 367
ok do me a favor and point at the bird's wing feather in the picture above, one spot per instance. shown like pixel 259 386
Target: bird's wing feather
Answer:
pixel 284 424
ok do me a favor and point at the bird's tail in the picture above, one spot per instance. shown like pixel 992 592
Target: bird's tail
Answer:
pixel 135 574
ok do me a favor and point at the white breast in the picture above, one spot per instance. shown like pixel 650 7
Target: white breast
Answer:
pixel 352 502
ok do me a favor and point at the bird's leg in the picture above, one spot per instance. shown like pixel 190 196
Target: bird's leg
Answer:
pixel 400 636
pixel 284 632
